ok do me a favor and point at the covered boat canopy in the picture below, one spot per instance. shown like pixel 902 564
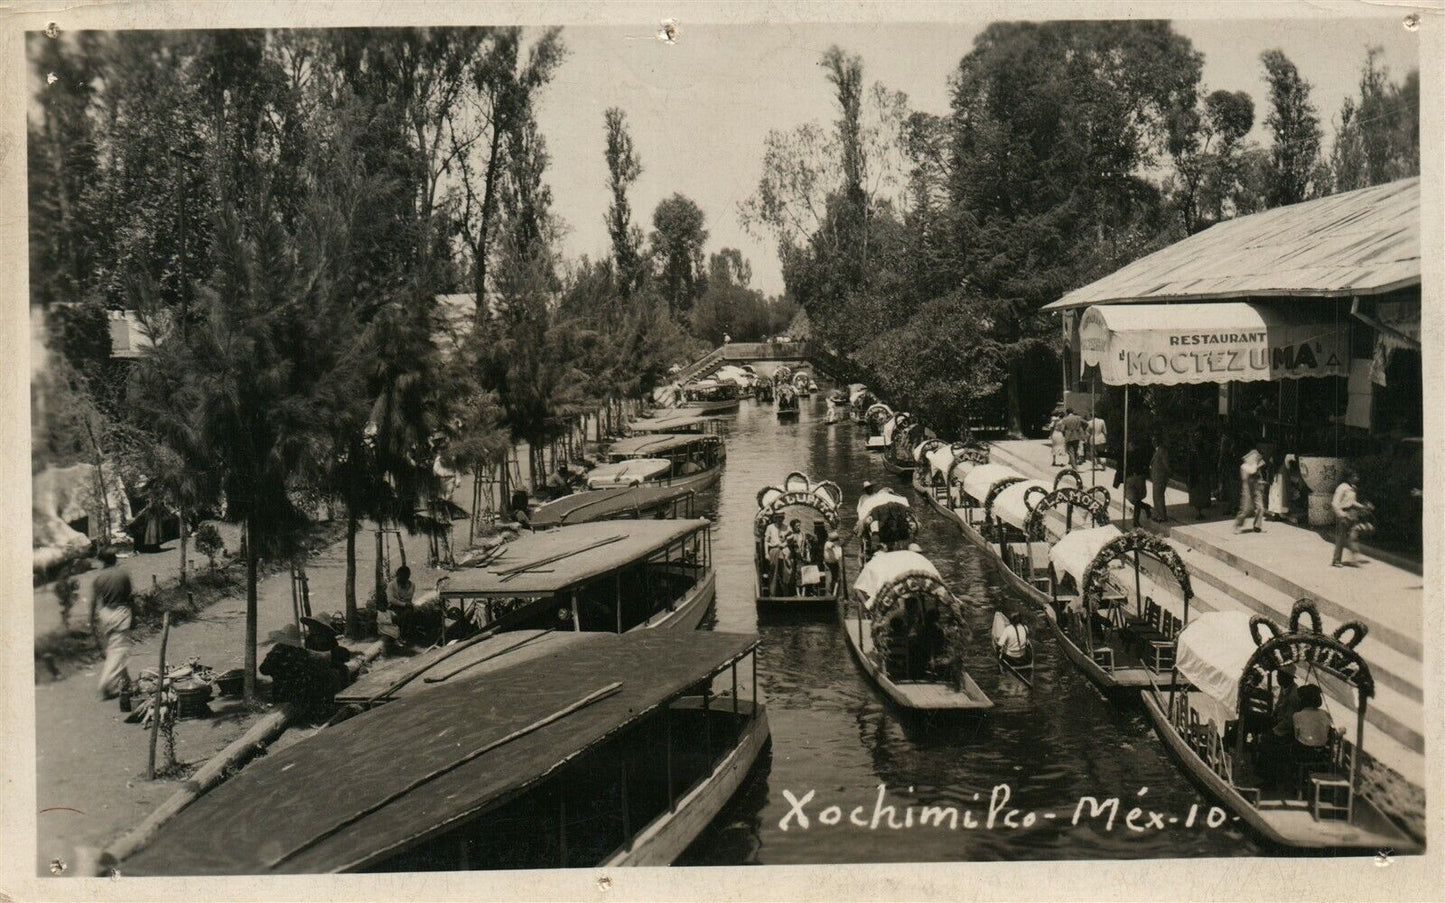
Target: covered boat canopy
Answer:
pixel 1013 504
pixel 1073 553
pixel 733 372
pixel 856 391
pixel 885 567
pixel 375 785
pixel 541 564
pixel 674 423
pixel 1211 654
pixel 879 497
pixel 650 446
pixel 603 504
pixel 940 460
pixel 979 480
pixel 631 472
pixel 798 491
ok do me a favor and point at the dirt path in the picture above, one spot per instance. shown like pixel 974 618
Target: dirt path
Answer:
pixel 90 764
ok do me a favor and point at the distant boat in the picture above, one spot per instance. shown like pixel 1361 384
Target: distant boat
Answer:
pixel 876 417
pixel 710 397
pixel 786 404
pixel 607 751
pixel 697 459
pixel 907 630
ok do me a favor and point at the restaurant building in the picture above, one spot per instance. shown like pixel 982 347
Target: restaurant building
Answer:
pixel 1297 327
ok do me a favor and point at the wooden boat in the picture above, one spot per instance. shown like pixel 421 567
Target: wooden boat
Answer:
pixel 1217 719
pixel 613 750
pixel 613 576
pixel 678 423
pixel 697 459
pixel 653 472
pixel 786 403
pixel 803 384
pixel 885 520
pixel 876 418
pixel 811 504
pixel 860 399
pixel 1117 651
pixel 710 397
pixel 892 591
pixel 901 435
pixel 635 503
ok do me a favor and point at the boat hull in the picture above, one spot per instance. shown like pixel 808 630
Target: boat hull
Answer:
pixel 689 610
pixel 1292 827
pixel 920 696
pixel 1123 681
pixel 667 836
pixel 839 591
pixel 709 407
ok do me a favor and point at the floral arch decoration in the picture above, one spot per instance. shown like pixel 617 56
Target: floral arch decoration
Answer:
pixel 1306 645
pixel 1095 501
pixel 1097 574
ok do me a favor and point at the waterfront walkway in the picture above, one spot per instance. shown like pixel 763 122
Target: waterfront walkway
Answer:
pixel 1264 573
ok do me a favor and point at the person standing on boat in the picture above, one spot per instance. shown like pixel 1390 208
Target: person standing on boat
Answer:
pixel 772 549
pixel 833 560
pixel 111 617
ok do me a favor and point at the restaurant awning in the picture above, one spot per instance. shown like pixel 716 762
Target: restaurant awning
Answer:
pixel 1170 345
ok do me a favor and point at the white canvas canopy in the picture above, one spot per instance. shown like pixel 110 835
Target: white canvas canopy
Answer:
pixel 867 503
pixel 855 392
pixel 939 460
pixel 885 567
pixel 1072 554
pixel 978 481
pixel 888 429
pixel 1009 505
pixel 1212 652
pixel 627 473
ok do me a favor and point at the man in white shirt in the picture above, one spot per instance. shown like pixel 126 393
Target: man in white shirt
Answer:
pixel 833 559
pixel 1347 510
pixel 772 547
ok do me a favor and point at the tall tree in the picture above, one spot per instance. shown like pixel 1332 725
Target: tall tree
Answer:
pixel 678 237
pixel 1378 137
pixel 1294 155
pixel 623 169
pixel 1209 157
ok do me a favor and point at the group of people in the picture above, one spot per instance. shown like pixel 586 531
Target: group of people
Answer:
pixel 1076 439
pixel 801 563
pixel 1300 735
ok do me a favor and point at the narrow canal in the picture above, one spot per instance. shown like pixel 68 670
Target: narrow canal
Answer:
pixel 834 735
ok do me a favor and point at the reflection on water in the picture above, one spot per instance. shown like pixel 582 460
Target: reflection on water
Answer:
pixel 833 733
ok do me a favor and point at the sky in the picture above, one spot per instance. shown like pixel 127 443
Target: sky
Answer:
pixel 699 109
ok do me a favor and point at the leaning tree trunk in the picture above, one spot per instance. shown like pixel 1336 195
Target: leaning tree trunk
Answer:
pixel 249 679
pixel 353 626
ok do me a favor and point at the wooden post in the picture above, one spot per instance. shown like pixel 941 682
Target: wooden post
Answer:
pixel 159 698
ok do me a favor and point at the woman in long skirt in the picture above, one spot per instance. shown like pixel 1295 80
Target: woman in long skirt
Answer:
pixel 112 616
pixel 1057 445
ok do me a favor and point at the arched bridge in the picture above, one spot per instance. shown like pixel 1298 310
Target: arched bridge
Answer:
pixel 777 352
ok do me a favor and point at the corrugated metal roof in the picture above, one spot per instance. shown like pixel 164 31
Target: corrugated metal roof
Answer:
pixel 1363 242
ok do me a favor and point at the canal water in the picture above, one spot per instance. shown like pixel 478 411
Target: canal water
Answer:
pixel 833 734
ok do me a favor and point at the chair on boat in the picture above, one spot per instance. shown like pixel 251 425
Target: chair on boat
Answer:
pixel 1331 792
pixel 1139 631
pixel 1159 651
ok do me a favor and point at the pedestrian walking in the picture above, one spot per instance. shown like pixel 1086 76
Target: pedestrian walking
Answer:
pixel 1057 446
pixel 1135 491
pixel 1159 473
pixel 1349 512
pixel 1251 491
pixel 1074 433
pixel 1098 439
pixel 111 617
